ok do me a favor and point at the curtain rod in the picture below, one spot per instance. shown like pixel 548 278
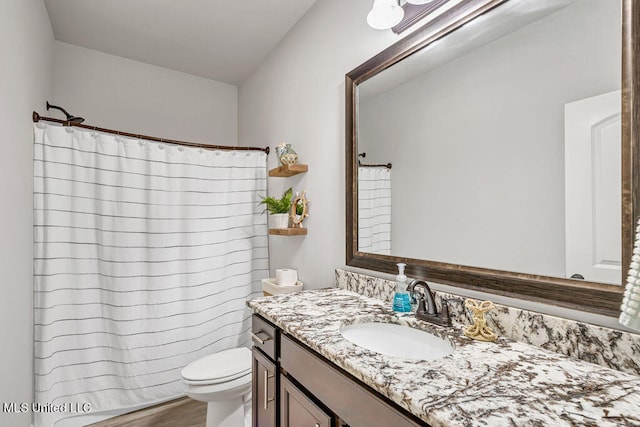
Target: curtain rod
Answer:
pixel 388 165
pixel 37 117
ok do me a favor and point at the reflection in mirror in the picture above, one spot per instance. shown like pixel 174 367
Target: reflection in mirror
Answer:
pixel 505 141
pixel 374 207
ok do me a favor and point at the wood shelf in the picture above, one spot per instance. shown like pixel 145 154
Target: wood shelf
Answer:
pixel 285 171
pixel 288 231
pixel 288 170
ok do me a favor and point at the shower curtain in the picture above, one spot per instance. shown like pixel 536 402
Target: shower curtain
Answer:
pixel 374 210
pixel 145 254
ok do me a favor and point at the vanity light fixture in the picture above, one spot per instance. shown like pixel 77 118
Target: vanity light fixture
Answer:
pixel 385 14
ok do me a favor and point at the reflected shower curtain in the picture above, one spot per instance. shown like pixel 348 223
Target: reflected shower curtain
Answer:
pixel 374 210
pixel 145 254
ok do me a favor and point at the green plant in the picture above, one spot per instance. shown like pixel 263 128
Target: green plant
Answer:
pixel 277 206
pixel 299 207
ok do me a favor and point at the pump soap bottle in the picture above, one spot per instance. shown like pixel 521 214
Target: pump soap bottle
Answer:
pixel 401 301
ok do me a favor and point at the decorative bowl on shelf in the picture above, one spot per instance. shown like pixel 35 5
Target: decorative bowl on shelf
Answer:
pixel 286 154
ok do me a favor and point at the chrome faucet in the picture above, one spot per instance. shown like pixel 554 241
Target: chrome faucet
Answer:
pixel 427 310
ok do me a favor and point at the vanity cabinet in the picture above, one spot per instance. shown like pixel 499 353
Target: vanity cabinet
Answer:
pixel 308 390
pixel 349 399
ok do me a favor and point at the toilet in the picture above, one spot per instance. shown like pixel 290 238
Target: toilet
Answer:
pixel 223 380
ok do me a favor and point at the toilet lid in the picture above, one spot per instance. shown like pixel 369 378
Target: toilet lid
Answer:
pixel 219 367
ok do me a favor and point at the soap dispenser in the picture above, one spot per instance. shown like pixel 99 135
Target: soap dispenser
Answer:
pixel 401 301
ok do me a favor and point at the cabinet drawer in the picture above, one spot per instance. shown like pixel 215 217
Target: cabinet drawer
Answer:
pixel 264 336
pixel 349 400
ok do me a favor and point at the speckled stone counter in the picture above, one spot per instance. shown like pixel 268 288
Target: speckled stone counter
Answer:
pixel 481 384
pixel 608 347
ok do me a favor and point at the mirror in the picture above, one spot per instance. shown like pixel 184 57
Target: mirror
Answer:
pixel 506 127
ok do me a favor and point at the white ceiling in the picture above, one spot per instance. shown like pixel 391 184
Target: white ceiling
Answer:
pixel 218 39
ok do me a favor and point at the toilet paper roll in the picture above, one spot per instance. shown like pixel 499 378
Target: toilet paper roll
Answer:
pixel 286 277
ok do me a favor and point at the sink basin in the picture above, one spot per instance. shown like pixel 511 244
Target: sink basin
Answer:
pixel 397 340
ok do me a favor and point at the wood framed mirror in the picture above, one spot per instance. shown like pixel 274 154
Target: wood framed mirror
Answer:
pixel 458 37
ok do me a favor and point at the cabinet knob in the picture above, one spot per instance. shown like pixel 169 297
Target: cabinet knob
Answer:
pixel 317 424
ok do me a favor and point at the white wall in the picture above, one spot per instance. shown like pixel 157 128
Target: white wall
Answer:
pixel 118 93
pixel 297 95
pixel 477 144
pixel 26 49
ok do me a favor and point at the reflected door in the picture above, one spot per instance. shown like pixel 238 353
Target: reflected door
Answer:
pixel 592 188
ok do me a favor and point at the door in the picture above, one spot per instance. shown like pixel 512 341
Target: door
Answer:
pixel 593 188
pixel 297 410
pixel 263 391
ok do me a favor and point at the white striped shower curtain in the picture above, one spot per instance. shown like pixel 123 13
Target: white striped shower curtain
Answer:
pixel 145 254
pixel 374 210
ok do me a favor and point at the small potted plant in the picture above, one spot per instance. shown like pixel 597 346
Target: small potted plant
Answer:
pixel 279 208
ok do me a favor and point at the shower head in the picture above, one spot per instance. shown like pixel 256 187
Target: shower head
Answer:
pixel 75 120
pixel 70 119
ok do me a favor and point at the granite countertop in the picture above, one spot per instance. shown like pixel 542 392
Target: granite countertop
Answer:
pixel 506 383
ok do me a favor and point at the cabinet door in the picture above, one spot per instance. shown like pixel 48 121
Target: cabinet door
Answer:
pixel 297 410
pixel 263 391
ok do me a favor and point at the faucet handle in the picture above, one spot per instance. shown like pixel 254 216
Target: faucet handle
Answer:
pixel 421 303
pixel 444 312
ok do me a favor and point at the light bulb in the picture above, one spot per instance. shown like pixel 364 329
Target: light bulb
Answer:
pixel 385 14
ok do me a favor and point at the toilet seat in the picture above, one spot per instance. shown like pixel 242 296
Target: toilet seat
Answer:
pixel 217 368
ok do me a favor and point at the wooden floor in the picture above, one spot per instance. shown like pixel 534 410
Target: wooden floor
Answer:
pixel 184 412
